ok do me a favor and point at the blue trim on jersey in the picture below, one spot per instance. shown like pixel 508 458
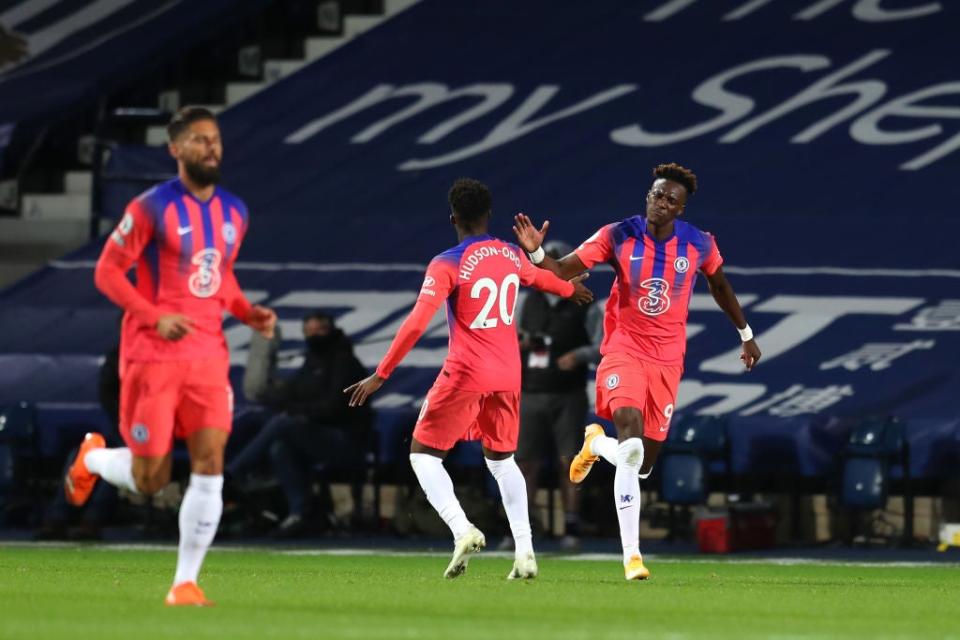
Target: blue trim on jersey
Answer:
pixel 455 254
pixel 639 248
pixel 207 221
pixel 228 219
pixel 699 239
pixel 186 240
pixel 680 278
pixel 659 259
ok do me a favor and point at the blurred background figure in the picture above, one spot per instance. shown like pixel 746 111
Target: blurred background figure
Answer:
pixel 558 341
pixel 306 421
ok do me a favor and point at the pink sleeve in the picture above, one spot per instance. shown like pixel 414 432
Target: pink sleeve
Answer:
pixel 237 303
pixel 542 279
pixel 713 259
pixel 597 248
pixel 124 246
pixel 407 336
pixel 439 281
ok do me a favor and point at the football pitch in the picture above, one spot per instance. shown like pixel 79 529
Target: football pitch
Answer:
pixel 103 593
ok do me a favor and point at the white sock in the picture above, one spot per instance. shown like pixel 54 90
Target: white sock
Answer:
pixel 113 465
pixel 605 447
pixel 513 492
pixel 199 516
pixel 436 483
pixel 626 489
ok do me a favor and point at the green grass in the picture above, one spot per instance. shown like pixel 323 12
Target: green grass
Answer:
pixel 102 593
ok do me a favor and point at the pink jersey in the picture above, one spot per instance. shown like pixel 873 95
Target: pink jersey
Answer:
pixel 479 279
pixel 184 251
pixel 646 315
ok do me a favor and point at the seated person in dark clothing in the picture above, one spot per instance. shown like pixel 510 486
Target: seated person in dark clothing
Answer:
pixel 309 421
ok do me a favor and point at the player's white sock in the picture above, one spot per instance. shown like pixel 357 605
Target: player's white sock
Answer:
pixel 513 492
pixel 199 516
pixel 113 465
pixel 626 489
pixel 438 486
pixel 605 447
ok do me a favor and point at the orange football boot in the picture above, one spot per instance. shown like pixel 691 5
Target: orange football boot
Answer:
pixel 584 460
pixel 186 594
pixel 79 482
pixel 634 569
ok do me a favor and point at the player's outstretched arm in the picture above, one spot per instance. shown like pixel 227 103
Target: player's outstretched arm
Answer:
pixel 531 239
pixel 723 294
pixel 407 336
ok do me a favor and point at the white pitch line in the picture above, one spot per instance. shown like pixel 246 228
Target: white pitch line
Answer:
pixel 396 553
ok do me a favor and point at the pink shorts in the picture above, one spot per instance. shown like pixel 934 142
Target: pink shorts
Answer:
pixel 625 381
pixel 163 400
pixel 449 415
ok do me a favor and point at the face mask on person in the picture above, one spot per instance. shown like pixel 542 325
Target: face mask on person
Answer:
pixel 319 344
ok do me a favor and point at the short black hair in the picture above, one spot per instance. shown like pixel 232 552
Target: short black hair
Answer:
pixel 678 174
pixel 186 116
pixel 470 199
pixel 318 314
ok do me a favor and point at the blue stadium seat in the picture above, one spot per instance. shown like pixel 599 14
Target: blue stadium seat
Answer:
pixel 864 483
pixel 683 479
pixel 696 447
pixel 875 445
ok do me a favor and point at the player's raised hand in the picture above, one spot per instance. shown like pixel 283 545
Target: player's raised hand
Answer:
pixel 527 235
pixel 174 326
pixel 581 295
pixel 750 355
pixel 362 390
pixel 263 320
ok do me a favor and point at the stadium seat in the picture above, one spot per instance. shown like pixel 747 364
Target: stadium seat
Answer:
pixel 875 446
pixel 697 445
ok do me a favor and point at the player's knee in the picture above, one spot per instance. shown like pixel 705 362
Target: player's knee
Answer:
pixel 630 452
pixel 207 463
pixel 629 422
pixel 151 481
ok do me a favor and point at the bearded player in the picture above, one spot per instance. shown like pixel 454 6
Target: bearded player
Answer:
pixel 183 235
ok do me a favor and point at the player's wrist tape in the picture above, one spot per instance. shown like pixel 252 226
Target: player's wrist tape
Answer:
pixel 746 334
pixel 537 256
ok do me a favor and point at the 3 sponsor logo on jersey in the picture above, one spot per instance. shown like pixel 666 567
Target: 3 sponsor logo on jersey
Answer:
pixel 205 281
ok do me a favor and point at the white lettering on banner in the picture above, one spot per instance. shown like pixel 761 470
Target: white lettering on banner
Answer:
pixel 865 129
pixel 863 10
pixel 943 317
pixel 798 400
pixel 864 109
pixel 431 94
pixel 519 124
pixel 876 355
pixel 428 94
pixel 733 395
pixel 806 317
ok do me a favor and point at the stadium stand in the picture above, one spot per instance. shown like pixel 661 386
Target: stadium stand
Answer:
pixel 826 173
